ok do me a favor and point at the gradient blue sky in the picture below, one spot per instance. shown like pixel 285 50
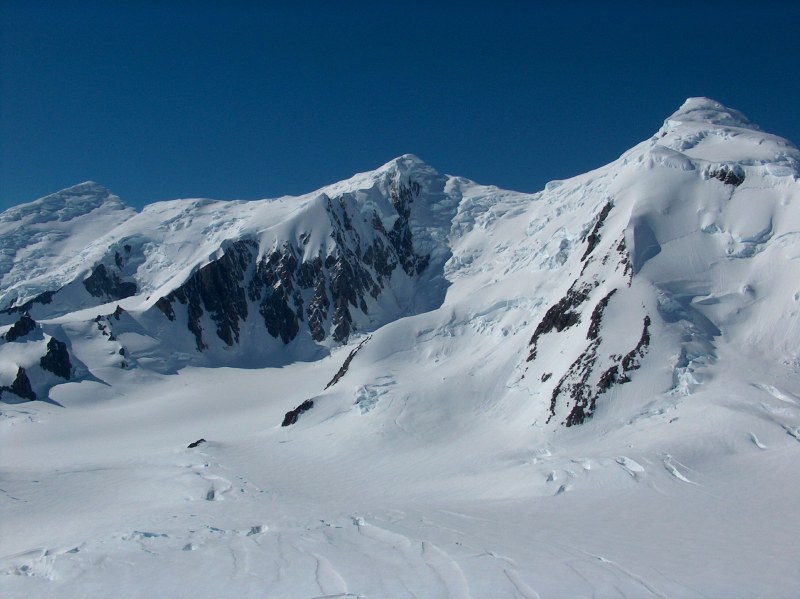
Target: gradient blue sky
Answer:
pixel 237 99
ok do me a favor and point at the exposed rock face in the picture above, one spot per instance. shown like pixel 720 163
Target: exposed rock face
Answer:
pixel 294 291
pixel 165 306
pixel 585 395
pixel 216 288
pixel 562 315
pixel 631 359
pixel 728 175
pixel 597 316
pixel 625 260
pixel 292 415
pixel 402 197
pixel 104 283
pixel 19 329
pixel 576 387
pixel 311 276
pixel 56 360
pixel 594 237
pixel 32 352
pixel 273 288
pixel 22 385
pixel 346 365
pixel 578 318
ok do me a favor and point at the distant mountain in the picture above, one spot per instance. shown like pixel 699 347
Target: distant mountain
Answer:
pixel 659 258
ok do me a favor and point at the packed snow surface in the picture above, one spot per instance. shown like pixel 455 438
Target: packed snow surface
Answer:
pixel 591 391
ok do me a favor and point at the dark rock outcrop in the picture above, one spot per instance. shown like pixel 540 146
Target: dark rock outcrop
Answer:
pixel 631 359
pixel 217 289
pixel 562 315
pixel 346 365
pixel 595 370
pixel 19 329
pixel 22 386
pixel 402 196
pixel 165 306
pixel 583 394
pixel 56 360
pixel 104 283
pixel 273 287
pixel 594 237
pixel 728 175
pixel 597 316
pixel 292 415
pixel 312 274
pixel 625 260
pixel 575 385
pixel 195 443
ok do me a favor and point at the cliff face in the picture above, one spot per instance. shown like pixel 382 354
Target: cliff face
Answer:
pixel 288 289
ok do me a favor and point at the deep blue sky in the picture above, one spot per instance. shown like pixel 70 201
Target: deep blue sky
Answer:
pixel 236 99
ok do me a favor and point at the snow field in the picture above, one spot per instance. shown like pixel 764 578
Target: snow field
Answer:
pixel 439 464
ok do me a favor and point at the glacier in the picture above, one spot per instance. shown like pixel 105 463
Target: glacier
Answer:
pixel 409 384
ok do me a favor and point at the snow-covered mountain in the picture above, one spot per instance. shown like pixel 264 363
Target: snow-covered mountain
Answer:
pixel 413 351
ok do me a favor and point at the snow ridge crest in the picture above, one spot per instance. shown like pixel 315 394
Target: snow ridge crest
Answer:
pixel 65 205
pixel 707 110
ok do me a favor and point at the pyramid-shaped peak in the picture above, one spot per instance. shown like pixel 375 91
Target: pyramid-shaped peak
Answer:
pixel 409 160
pixel 407 167
pixel 706 110
pixel 400 169
pixel 405 164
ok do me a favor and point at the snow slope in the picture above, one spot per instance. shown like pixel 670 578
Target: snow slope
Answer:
pixel 39 241
pixel 588 391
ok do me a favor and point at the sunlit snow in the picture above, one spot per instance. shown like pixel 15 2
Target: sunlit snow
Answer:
pixel 439 464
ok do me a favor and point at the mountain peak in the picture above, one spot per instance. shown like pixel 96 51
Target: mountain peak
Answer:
pixel 405 164
pixel 398 169
pixel 66 204
pixel 407 160
pixel 706 110
pixel 88 194
pixel 707 130
pixel 87 187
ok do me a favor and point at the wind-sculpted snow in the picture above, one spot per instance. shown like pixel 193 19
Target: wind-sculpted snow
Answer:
pixel 485 393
